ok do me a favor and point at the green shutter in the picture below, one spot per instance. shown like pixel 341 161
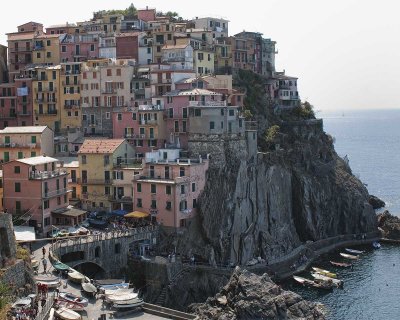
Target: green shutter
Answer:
pixel 6 156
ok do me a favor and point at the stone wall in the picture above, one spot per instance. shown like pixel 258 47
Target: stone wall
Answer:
pixel 15 275
pixel 7 239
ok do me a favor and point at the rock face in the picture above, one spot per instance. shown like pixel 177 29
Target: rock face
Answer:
pixel 248 296
pixel 375 202
pixel 389 225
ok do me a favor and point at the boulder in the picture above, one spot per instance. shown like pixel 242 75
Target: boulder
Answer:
pixel 389 225
pixel 375 202
pixel 249 296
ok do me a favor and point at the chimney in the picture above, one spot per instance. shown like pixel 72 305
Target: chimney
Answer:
pixel 147 7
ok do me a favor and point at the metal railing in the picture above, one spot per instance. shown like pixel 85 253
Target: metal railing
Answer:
pixel 47 174
pixel 56 193
pixel 45 310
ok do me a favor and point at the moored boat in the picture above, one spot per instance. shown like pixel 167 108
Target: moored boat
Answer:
pixel 107 282
pixel 318 276
pixel 115 286
pixel 76 276
pixel 117 292
pixel 73 298
pixel 59 266
pixel 356 252
pixel 340 264
pixel 22 303
pixel 49 281
pixel 70 305
pixel 349 256
pixel 133 303
pixel 325 272
pixel 89 288
pixel 122 297
pixel 323 285
pixel 67 314
pixel 46 278
pixel 376 245
pixel 51 314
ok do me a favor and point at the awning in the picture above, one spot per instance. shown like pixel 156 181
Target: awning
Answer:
pixel 69 211
pixel 120 213
pixel 136 214
pixel 23 233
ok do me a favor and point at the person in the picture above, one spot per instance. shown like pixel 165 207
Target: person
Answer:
pixel 44 265
pixel 44 251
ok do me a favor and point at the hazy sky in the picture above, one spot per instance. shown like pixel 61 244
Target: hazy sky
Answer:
pixel 345 52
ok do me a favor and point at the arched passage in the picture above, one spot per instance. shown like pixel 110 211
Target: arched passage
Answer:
pixel 73 256
pixel 91 270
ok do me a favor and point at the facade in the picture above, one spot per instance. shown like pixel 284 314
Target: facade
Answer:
pixel 71 164
pixel 25 142
pixel 79 47
pixel 33 188
pixel 127 46
pixel 180 57
pixel 3 64
pixel 283 90
pixel 62 29
pixel 168 187
pixel 99 163
pixel 46 49
pixel 223 58
pixel 203 62
pixel 219 27
pixel 107 46
pixel 8 104
pixel 244 53
pixel 24 107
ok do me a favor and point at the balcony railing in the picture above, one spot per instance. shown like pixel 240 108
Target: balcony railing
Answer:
pixel 40 175
pixel 97 181
pixel 207 103
pixel 56 193
pixel 109 91
pixel 24 113
pixel 120 199
pixel 20 145
pixel 45 89
pixel 48 113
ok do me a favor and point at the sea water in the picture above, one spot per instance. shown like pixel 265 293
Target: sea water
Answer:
pixel 371 141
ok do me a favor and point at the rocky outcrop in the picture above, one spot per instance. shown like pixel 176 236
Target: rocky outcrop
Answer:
pixel 248 296
pixel 375 202
pixel 389 225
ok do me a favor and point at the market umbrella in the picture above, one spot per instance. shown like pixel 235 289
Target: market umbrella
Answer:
pixel 136 214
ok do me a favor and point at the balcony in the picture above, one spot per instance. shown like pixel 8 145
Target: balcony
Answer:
pixel 207 103
pixel 48 113
pixel 71 106
pixel 109 91
pixel 170 178
pixel 24 113
pixel 56 193
pixel 120 199
pixel 41 175
pixel 70 84
pixel 20 145
pixel 97 181
pixel 147 122
pixel 8 116
pixel 45 89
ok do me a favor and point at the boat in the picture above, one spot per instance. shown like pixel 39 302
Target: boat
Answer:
pixel 51 314
pixel 117 292
pixel 73 298
pixel 35 264
pixel 22 303
pixel 98 223
pixel 106 282
pixel 70 305
pixel 89 288
pixel 67 314
pixel 310 283
pixel 354 251
pixel 133 303
pixel 115 286
pixel 325 272
pixel 340 264
pixel 318 276
pixel 376 245
pixel 49 281
pixel 76 276
pixel 46 278
pixel 349 256
pixel 59 266
pixel 122 297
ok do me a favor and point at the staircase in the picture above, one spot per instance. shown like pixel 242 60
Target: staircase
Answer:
pixel 161 298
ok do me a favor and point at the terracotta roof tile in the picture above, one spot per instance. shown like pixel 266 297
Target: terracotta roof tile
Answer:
pixel 100 146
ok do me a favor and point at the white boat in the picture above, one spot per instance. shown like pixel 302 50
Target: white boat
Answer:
pixel 354 251
pixel 21 303
pixel 349 256
pixel 67 314
pixel 115 286
pixel 108 282
pixel 73 298
pixel 133 303
pixel 122 297
pixel 89 288
pixel 117 292
pixel 310 283
pixel 70 305
pixel 50 284
pixel 325 272
pixel 46 278
pixel 318 276
pixel 76 276
pixel 51 314
pixel 376 245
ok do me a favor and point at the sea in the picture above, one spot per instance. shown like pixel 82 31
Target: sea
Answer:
pixel 371 141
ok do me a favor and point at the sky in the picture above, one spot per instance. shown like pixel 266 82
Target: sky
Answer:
pixel 344 52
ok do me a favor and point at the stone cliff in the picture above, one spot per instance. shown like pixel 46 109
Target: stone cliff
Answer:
pixel 248 296
pixel 268 203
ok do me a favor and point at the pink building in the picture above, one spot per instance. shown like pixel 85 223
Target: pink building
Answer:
pixel 8 104
pixel 168 187
pixel 146 14
pixel 33 188
pixel 76 47
pixel 127 45
pixel 144 127
pixel 24 101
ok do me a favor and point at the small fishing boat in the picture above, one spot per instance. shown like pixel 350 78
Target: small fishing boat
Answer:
pixel 49 281
pixel 106 282
pixel 67 314
pixel 70 305
pixel 318 276
pixel 354 251
pixel 116 292
pixel 46 278
pixel 73 298
pixel 325 272
pixel 35 264
pixel 76 276
pixel 22 303
pixel 59 266
pixel 115 286
pixel 89 288
pixel 122 297
pixel 51 314
pixel 133 303
pixel 310 283
pixel 376 245
pixel 340 264
pixel 349 256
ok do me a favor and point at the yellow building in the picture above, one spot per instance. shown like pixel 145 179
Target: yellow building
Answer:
pixel 46 49
pixel 46 87
pixel 71 164
pixel 70 97
pixel 203 61
pixel 223 61
pixel 99 164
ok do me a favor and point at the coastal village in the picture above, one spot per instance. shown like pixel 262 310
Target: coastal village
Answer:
pixel 108 130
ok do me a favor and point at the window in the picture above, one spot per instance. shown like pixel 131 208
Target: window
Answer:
pixel 92 47
pixel 48 54
pixel 83 159
pixel 168 205
pixel 17 169
pixel 117 248
pixel 148 50
pixel 153 188
pixel 46 204
pixel 168 189
pixel 193 187
pixel 109 73
pixel 58 201
pixel 194 203
pixel 139 187
pixel 119 116
pixel 118 72
pixel 133 116
pixel 197 112
pixel 176 126
pixel 17 187
pixel 33 153
pixel 63 49
pixel 170 112
pixel 139 203
pixel 154 204
pixel 106 190
pixel 182 189
pixel 222 112
pixel 38 55
pixel 20 155
pixel 231 112
pixel 181 171
pixel 106 160
pixel 47 221
pixel 184 126
pixel 97 252
pixel 182 205
pixel 65 198
pixel 65 183
pixel 184 112
pixel 107 115
pixel 18 206
pixel 84 189
pixel 212 125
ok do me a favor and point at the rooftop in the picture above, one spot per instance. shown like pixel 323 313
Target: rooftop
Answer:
pixel 193 92
pixel 46 36
pixel 69 211
pixel 65 25
pixel 176 46
pixel 21 36
pixel 69 162
pixel 100 145
pixel 37 160
pixel 29 129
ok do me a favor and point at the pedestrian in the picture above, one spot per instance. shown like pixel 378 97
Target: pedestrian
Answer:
pixel 44 252
pixel 44 265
